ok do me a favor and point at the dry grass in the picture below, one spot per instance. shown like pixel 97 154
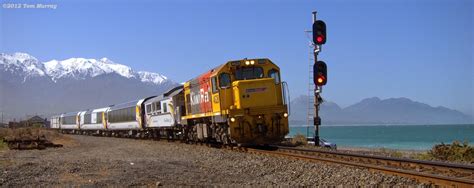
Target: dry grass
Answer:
pixel 33 133
pixel 3 145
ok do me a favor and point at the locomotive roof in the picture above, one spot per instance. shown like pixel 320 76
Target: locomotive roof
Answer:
pixel 240 62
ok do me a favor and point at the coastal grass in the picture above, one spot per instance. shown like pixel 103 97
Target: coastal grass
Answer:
pixel 457 152
pixel 391 152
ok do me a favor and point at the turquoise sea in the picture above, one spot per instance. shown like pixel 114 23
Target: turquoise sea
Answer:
pixel 412 137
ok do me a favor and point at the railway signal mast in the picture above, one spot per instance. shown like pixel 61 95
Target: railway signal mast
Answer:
pixel 319 71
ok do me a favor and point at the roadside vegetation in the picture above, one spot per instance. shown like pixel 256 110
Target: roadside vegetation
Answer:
pixel 455 152
pixel 391 152
pixel 3 133
pixel 3 145
pixel 299 140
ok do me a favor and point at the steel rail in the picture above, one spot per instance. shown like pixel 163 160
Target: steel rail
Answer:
pixel 422 162
pixel 394 166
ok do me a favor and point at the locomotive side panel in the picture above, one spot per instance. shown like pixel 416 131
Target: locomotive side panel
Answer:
pixel 198 95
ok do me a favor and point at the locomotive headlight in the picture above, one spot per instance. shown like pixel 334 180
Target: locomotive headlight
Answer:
pixel 232 119
pixel 285 115
pixel 247 62
pixel 252 62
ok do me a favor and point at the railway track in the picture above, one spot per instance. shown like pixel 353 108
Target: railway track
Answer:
pixel 430 172
pixel 435 173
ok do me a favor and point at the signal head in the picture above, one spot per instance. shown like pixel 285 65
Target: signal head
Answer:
pixel 319 32
pixel 320 73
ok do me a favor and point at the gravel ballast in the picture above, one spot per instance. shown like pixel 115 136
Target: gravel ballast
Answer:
pixel 100 161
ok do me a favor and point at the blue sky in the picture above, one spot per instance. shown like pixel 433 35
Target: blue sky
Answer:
pixel 420 49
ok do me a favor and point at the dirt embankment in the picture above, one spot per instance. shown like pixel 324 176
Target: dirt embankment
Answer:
pixel 87 160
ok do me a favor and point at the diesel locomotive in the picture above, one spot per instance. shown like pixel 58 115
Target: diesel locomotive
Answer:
pixel 239 102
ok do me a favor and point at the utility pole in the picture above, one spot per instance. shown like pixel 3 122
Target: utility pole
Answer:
pixel 319 72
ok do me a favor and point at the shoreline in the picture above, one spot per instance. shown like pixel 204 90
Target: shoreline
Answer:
pixel 387 152
pixel 394 137
pixel 348 125
pixel 356 148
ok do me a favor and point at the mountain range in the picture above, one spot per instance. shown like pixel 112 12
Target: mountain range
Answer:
pixel 30 87
pixel 377 111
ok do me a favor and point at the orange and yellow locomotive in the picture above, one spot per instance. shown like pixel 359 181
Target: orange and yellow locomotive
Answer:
pixel 238 102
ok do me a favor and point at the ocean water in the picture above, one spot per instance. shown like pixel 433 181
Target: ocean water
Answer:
pixel 412 137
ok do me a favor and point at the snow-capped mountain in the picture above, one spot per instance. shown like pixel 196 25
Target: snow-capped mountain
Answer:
pixel 76 68
pixel 28 86
pixel 151 77
pixel 22 64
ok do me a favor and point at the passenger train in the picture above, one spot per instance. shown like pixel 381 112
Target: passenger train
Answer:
pixel 239 102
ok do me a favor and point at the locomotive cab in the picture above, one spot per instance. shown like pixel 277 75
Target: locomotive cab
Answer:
pixel 258 113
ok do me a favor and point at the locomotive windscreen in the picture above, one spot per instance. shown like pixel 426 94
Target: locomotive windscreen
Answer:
pixel 248 73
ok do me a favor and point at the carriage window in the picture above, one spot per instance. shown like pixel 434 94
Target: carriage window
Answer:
pixel 214 84
pixel 158 106
pixel 68 120
pixel 248 73
pixel 224 80
pixel 148 108
pixel 87 118
pixel 274 74
pixel 122 115
pixel 165 108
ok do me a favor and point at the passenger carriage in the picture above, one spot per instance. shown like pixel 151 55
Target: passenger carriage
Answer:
pixel 94 119
pixel 70 121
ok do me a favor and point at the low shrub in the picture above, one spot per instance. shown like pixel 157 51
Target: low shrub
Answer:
pixel 456 151
pixel 299 139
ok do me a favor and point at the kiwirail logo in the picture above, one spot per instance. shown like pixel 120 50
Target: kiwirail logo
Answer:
pixel 29 6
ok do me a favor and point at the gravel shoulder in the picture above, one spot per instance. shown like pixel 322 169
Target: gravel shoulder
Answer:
pixel 102 161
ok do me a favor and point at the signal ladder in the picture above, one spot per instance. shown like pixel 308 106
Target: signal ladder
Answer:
pixel 311 87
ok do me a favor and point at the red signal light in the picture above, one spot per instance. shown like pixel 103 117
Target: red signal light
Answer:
pixel 319 32
pixel 320 38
